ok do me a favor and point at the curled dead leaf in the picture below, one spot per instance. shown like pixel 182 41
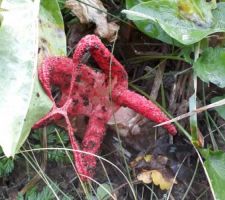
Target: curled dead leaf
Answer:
pixel 93 11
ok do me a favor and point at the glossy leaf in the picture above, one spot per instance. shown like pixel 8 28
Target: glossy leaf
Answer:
pixel 214 165
pixel 23 101
pixel 210 67
pixel 186 27
pixel 150 28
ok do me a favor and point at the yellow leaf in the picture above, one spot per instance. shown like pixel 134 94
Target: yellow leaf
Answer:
pixel 158 179
pixel 148 157
pixel 135 161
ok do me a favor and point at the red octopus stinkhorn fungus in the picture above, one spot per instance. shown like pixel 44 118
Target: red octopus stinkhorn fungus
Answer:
pixel 93 94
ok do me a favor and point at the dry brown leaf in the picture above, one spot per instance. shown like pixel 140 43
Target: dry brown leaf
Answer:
pixel 145 177
pixel 127 121
pixel 93 11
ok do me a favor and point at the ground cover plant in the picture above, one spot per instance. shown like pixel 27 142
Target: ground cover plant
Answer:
pixel 171 52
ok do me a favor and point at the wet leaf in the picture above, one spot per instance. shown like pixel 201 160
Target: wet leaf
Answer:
pixel 23 101
pixel 93 11
pixel 186 26
pixel 214 165
pixel 210 67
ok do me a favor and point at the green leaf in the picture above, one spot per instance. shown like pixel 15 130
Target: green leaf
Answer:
pixel 220 109
pixel 187 26
pixel 131 3
pixel 52 39
pixel 61 3
pixel 151 28
pixel 23 101
pixel 214 165
pixel 210 67
pixel 103 191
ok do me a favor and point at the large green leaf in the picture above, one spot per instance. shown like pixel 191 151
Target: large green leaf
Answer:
pixel 23 101
pixel 150 27
pixel 187 27
pixel 210 67
pixel 215 169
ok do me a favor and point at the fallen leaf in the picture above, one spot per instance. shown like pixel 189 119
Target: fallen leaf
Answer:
pixel 127 121
pixel 154 170
pixel 93 11
pixel 160 180
pixel 138 159
pixel 145 177
pixel 148 157
pixel 157 178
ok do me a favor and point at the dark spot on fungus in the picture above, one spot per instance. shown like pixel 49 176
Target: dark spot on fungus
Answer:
pixel 96 46
pixel 75 101
pixel 37 95
pixel 90 145
pixel 104 109
pixel 100 118
pixel 78 78
pixel 87 48
pixel 85 100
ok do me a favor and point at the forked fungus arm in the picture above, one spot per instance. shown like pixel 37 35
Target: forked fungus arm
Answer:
pixel 86 92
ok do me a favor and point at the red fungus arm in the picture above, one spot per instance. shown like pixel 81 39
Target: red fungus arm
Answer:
pixel 93 137
pixel 51 71
pixel 143 106
pixel 106 61
pixel 101 55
